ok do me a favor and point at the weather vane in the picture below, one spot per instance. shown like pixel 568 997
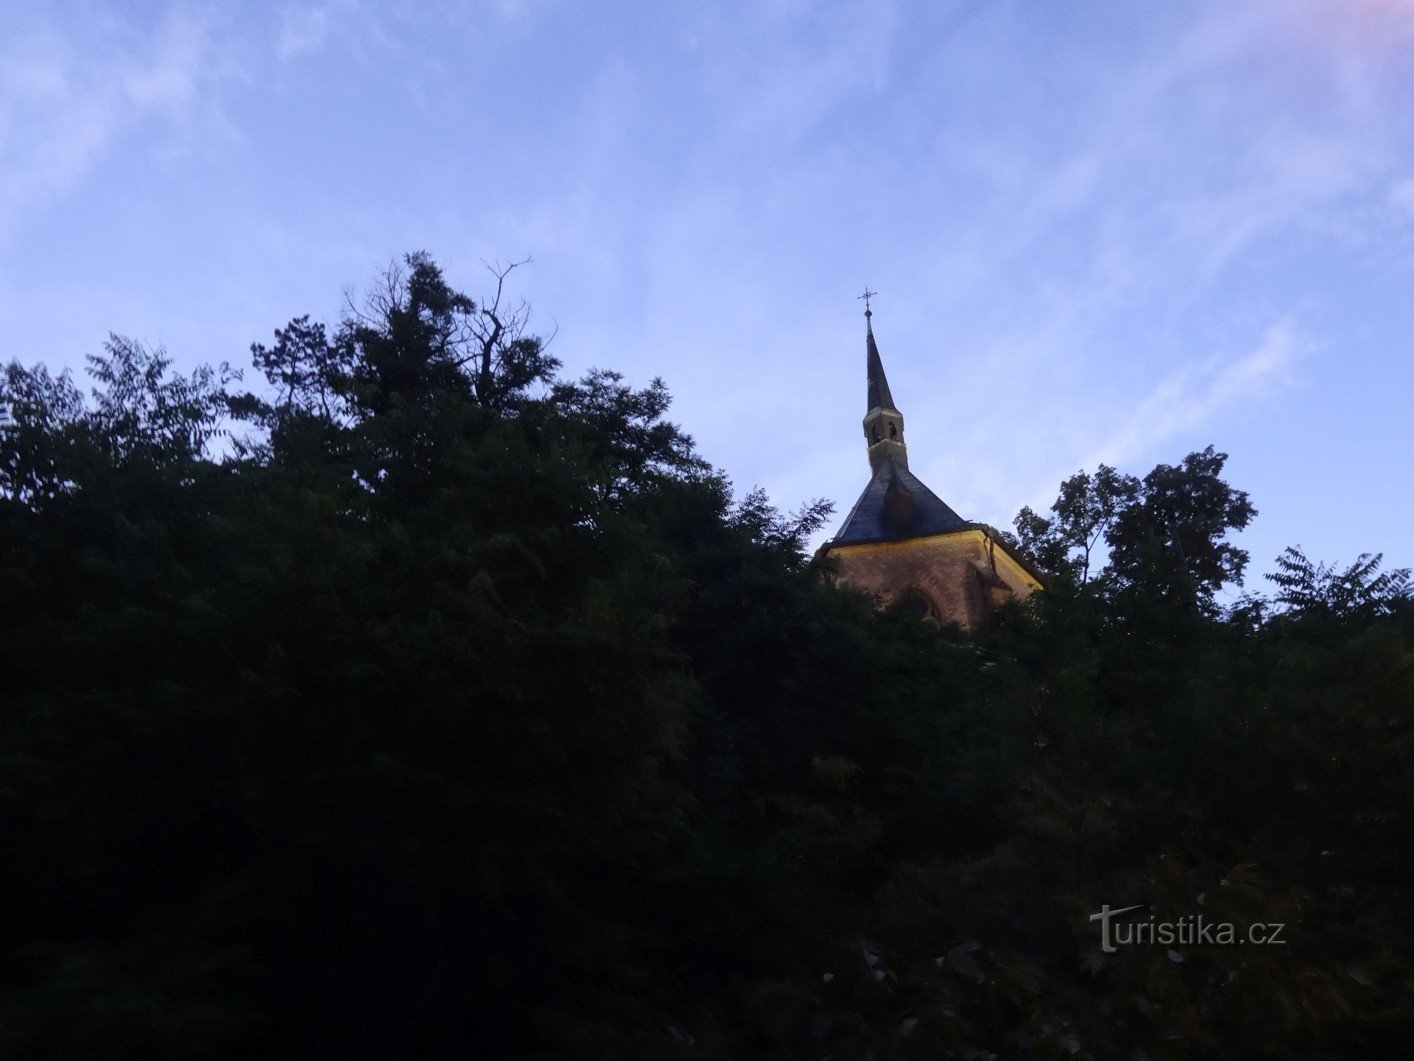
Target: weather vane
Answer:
pixel 866 297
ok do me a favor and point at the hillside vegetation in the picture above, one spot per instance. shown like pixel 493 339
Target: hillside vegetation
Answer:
pixel 423 703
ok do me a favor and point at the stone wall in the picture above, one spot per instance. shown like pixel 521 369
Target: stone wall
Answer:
pixel 964 575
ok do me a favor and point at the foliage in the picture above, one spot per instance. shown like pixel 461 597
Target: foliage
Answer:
pixel 1084 513
pixel 1164 535
pixel 1361 591
pixel 1171 542
pixel 451 708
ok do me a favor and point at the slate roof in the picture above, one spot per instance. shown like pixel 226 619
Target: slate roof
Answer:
pixel 896 505
pixel 879 396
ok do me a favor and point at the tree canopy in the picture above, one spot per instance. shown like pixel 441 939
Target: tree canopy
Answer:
pixel 422 702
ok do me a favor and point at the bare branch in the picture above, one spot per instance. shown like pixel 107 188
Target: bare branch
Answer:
pixel 500 272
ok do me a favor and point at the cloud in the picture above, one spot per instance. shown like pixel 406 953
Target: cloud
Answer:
pixel 823 60
pixel 1122 432
pixel 169 76
pixel 1238 129
pixel 364 33
pixel 1401 196
pixel 66 100
pixel 1206 155
pixel 1192 396
pixel 303 30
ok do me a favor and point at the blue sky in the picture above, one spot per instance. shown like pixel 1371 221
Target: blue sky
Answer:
pixel 1100 231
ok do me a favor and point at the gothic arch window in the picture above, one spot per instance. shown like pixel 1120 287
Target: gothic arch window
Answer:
pixel 923 606
pixel 893 429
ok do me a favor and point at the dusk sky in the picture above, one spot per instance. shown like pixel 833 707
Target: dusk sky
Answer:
pixel 1100 231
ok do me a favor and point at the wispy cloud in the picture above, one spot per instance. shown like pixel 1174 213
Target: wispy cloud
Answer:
pixel 1219 146
pixel 1193 396
pixel 302 31
pixel 308 29
pixel 1129 433
pixel 168 77
pixel 1401 196
pixel 67 100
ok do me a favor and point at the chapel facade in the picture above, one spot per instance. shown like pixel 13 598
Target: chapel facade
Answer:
pixel 901 536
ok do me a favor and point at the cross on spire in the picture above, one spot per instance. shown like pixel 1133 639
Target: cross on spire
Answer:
pixel 866 297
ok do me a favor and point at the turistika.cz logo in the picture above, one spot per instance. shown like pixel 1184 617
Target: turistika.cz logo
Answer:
pixel 1192 930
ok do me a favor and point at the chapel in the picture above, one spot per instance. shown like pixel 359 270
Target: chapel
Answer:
pixel 901 536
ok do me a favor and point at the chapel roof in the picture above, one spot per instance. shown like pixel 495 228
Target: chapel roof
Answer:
pixel 882 514
pixel 895 504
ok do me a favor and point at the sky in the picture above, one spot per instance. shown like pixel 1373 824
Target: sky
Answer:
pixel 1100 231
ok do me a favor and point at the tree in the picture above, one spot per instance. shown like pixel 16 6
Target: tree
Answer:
pixel 1083 514
pixel 143 413
pixel 413 342
pixel 143 420
pixel 456 719
pixel 36 451
pixel 1169 541
pixel 1361 591
pixel 622 432
pixel 416 337
pixel 1163 536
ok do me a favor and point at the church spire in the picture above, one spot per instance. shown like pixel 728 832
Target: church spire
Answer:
pixel 883 423
pixel 879 396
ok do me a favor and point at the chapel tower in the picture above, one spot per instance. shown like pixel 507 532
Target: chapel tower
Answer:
pixel 901 536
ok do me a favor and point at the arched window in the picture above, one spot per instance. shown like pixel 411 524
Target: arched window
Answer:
pixel 922 605
pixel 893 429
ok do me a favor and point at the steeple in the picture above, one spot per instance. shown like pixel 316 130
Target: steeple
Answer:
pixel 895 505
pixel 900 536
pixel 879 396
pixel 883 423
